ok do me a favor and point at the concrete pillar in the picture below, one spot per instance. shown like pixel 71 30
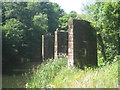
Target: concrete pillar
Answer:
pixel 82 45
pixel 47 47
pixel 60 44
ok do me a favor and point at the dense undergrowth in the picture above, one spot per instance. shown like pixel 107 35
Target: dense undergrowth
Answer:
pixel 55 74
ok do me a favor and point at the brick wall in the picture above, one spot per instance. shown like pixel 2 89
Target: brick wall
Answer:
pixel 60 43
pixel 82 45
pixel 47 47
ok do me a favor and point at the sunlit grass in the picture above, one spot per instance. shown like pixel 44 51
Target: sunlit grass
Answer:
pixel 55 74
pixel 103 77
pixel 45 73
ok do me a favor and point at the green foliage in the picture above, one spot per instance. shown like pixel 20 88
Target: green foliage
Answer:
pixel 73 14
pixel 40 26
pixel 55 74
pixel 105 18
pixel 23 24
pixel 13 30
pixel 52 10
pixel 89 78
pixel 41 22
pixel 45 73
pixel 63 20
pixel 19 11
pixel 13 35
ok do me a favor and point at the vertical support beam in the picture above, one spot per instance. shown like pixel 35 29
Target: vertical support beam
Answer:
pixel 82 46
pixel 55 45
pixel 47 47
pixel 70 46
pixel 60 44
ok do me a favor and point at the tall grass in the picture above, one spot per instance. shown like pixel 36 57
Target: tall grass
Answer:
pixel 103 77
pixel 45 73
pixel 55 74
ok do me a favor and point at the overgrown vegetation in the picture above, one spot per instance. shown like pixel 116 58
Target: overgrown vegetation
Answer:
pixel 23 23
pixel 55 74
pixel 105 17
pixel 46 72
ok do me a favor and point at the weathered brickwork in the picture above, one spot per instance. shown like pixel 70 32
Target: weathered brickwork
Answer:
pixel 61 43
pixel 82 45
pixel 47 47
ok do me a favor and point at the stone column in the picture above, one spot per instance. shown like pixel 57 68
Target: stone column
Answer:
pixel 60 44
pixel 47 47
pixel 82 45
pixel 55 45
pixel 70 46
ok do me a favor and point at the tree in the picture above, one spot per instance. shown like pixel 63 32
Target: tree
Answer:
pixel 63 21
pixel 40 28
pixel 18 11
pixel 52 10
pixel 23 24
pixel 13 35
pixel 105 17
pixel 72 14
pixel 41 23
